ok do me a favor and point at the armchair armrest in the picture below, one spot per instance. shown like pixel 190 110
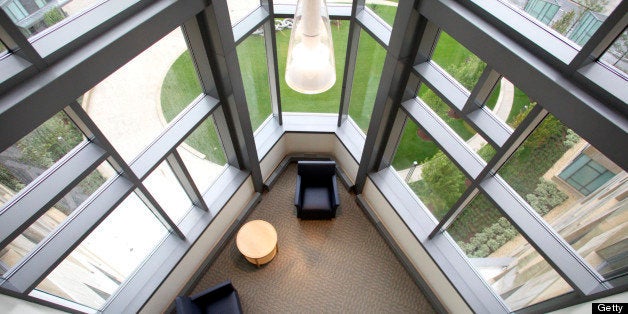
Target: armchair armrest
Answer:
pixel 297 193
pixel 335 197
pixel 218 291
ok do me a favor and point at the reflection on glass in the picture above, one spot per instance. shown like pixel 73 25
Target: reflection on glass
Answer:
pixel 327 102
pixel 508 263
pixel 575 20
pixel 434 178
pixel 239 9
pixel 577 191
pixel 3 49
pixel 203 154
pixel 458 61
pixel 473 139
pixel 368 71
pixel 108 256
pixel 252 59
pixel 384 9
pixel 165 188
pixel 134 104
pixel 617 54
pixel 34 16
pixel 48 222
pixel 25 160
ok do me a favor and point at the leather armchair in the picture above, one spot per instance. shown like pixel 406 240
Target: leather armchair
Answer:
pixel 316 193
pixel 222 298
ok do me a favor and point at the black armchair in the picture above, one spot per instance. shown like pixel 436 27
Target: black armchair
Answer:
pixel 222 298
pixel 316 195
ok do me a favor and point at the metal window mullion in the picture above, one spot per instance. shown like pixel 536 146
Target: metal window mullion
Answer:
pixel 353 43
pixel 374 26
pixel 85 122
pixel 603 37
pixel 214 29
pixel 272 63
pixel 185 179
pixel 526 127
pixel 17 43
pixel 539 234
pixel 482 90
pixel 391 90
pixel 244 28
pixel 178 130
pixel 154 206
pixel 51 252
pixel 28 206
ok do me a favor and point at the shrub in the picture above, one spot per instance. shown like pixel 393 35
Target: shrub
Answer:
pixel 53 17
pixel 546 196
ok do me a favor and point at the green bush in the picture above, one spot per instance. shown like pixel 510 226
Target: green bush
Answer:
pixel 54 16
pixel 9 180
pixel 490 239
pixel 546 196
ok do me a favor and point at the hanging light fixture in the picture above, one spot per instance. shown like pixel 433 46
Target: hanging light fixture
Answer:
pixel 311 67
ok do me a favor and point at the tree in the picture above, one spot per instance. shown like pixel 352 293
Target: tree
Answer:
pixel 444 179
pixel 562 24
pixel 53 17
pixel 592 5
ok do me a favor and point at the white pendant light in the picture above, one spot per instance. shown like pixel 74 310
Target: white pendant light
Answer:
pixel 311 67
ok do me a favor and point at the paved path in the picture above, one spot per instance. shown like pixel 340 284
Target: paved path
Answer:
pixel 501 110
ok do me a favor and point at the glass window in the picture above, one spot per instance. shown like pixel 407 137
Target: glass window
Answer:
pixel 617 54
pixel 506 261
pixel 368 71
pixel 108 256
pixel 577 191
pixel 428 171
pixel 48 222
pixel 509 103
pixel 25 160
pixel 449 115
pixel 458 61
pixel 384 9
pixel 252 59
pixel 326 102
pixel 239 9
pixel 33 17
pixel 164 186
pixel 135 104
pixel 3 49
pixel 203 154
pixel 575 20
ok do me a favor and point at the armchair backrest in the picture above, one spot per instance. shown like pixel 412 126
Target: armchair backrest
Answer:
pixel 316 173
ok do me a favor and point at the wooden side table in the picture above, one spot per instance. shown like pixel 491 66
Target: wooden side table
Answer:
pixel 257 241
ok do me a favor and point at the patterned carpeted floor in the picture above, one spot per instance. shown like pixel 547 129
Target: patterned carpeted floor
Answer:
pixel 342 265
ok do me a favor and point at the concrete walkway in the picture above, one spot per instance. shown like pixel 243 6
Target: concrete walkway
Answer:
pixel 501 110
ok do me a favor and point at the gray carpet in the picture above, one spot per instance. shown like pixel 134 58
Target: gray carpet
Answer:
pixel 342 265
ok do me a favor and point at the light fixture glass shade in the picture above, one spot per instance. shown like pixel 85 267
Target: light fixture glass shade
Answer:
pixel 311 67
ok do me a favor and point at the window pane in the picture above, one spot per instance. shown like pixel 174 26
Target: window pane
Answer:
pixel 368 71
pixel 134 104
pixel 3 49
pixel 616 54
pixel 385 9
pixel 25 160
pixel 203 154
pixel 48 222
pixel 508 263
pixel 252 59
pixel 108 256
pixel 238 9
pixel 509 103
pixel 577 191
pixel 165 188
pixel 458 61
pixel 327 102
pixel 575 21
pixel 34 17
pixel 430 173
pixel 449 116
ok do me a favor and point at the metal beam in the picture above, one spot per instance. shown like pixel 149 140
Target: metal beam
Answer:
pixel 270 42
pixel 351 56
